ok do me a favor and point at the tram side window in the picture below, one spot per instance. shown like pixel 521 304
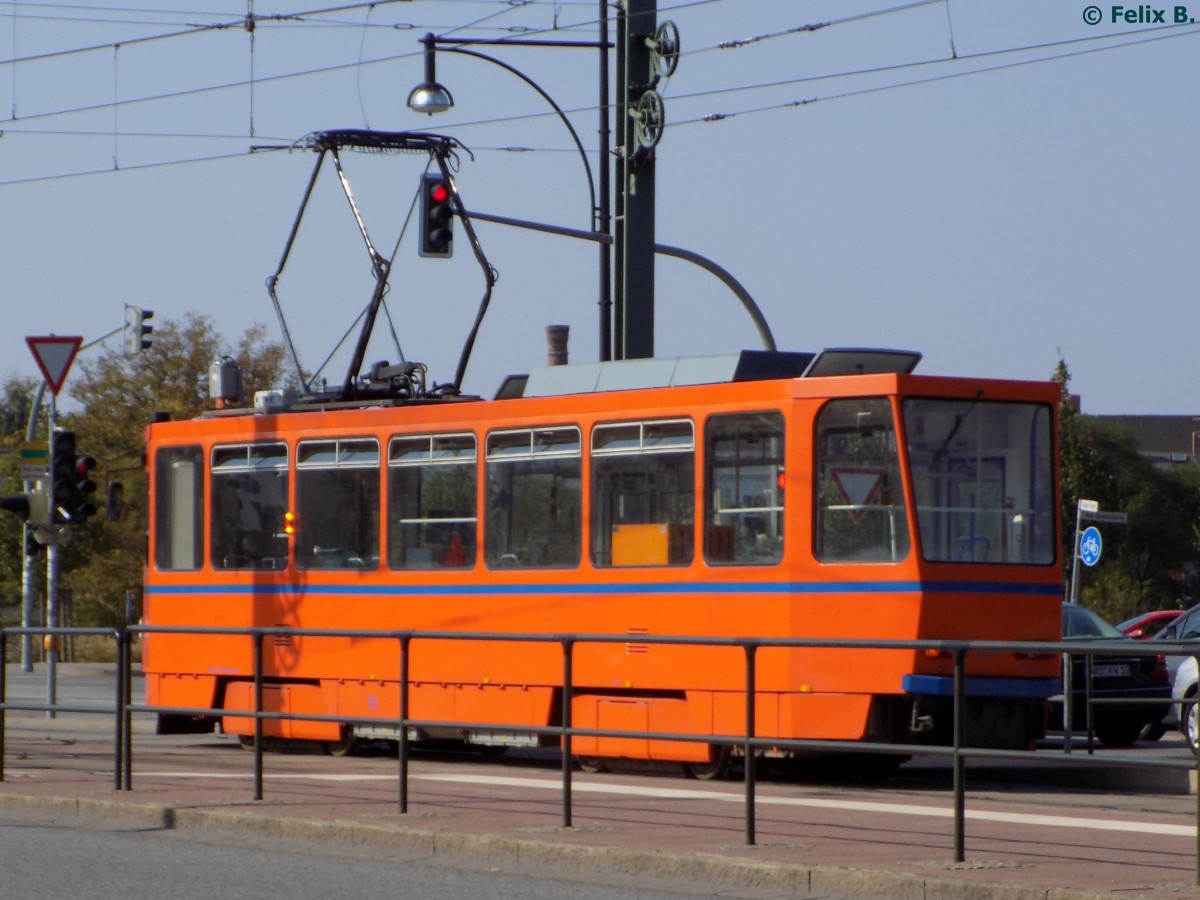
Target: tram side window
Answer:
pixel 643 493
pixel 431 502
pixel 533 501
pixel 744 479
pixel 337 504
pixel 249 498
pixel 983 479
pixel 179 508
pixel 860 512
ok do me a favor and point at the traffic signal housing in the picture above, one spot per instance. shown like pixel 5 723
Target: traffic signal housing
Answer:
pixel 85 488
pixel 16 503
pixel 72 488
pixel 63 490
pixel 136 333
pixel 34 510
pixel 437 217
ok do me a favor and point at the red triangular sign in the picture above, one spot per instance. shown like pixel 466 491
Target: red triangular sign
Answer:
pixel 54 356
pixel 859 487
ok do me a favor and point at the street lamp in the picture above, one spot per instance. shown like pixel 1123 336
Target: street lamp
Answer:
pixel 431 97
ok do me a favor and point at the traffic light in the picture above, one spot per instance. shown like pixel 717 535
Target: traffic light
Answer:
pixel 137 333
pixel 437 217
pixel 63 502
pixel 33 508
pixel 84 488
pixel 17 503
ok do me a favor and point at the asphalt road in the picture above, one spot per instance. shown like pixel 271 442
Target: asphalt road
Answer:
pixel 1039 824
pixel 101 862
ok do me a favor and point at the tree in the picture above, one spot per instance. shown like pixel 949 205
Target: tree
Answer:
pixel 119 394
pixel 1152 561
pixel 16 403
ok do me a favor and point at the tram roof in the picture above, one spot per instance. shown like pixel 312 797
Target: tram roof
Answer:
pixel 748 365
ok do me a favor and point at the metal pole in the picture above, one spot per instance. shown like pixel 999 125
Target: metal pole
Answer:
pixel 1185 712
pixel 3 696
pixel 402 747
pixel 605 207
pixel 258 722
pixel 1075 557
pixel 27 568
pixel 52 566
pixel 128 724
pixel 121 701
pixel 1068 667
pixel 568 646
pixel 635 332
pixel 960 793
pixel 748 746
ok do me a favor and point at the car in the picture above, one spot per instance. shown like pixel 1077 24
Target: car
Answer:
pixel 1182 671
pixel 1114 676
pixel 1186 627
pixel 1148 624
pixel 1184 688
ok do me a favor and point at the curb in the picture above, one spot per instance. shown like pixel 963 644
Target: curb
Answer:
pixel 708 870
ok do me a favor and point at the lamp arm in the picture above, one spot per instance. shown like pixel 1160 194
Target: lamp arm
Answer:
pixel 563 116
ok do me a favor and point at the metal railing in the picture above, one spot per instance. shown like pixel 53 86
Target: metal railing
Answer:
pixel 748 741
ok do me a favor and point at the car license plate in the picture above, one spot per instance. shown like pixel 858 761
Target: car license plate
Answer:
pixel 1110 670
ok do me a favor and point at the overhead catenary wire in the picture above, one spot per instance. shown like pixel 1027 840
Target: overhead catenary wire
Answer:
pixel 932 79
pixel 1110 42
pixel 250 23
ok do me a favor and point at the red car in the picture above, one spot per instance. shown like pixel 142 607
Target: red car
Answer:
pixel 1149 624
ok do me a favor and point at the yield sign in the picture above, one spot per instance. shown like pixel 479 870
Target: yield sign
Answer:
pixel 859 486
pixel 54 356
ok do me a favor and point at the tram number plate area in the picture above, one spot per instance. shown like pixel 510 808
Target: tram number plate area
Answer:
pixel 1111 670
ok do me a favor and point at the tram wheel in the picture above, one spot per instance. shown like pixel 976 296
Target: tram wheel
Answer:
pixel 593 765
pixel 717 766
pixel 343 746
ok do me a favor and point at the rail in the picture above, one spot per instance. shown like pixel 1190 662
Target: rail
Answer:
pixel 124 707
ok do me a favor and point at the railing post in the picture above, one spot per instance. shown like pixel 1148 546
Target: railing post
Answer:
pixel 121 701
pixel 748 747
pixel 3 694
pixel 1184 715
pixel 568 647
pixel 402 746
pixel 960 793
pixel 258 723
pixel 127 723
pixel 127 674
pixel 1087 674
pixel 1068 678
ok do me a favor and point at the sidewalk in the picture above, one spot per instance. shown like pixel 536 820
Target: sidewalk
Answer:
pixel 812 839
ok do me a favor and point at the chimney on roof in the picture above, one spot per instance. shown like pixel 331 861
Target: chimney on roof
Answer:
pixel 556 344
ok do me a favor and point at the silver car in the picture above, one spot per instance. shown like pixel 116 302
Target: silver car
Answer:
pixel 1183 673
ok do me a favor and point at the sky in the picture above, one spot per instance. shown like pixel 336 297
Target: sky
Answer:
pixel 997 184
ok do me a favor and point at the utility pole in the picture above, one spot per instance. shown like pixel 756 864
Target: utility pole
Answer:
pixel 638 128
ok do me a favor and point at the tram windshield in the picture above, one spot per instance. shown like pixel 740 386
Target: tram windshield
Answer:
pixel 983 480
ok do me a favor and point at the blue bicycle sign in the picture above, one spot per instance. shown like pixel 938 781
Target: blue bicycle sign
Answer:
pixel 1090 546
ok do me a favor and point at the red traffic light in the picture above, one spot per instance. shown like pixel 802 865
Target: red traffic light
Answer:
pixel 437 217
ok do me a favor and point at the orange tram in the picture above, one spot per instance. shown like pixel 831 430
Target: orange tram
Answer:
pixel 775 495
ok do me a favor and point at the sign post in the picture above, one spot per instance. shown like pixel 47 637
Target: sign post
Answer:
pixel 1089 544
pixel 53 355
pixel 1088 547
